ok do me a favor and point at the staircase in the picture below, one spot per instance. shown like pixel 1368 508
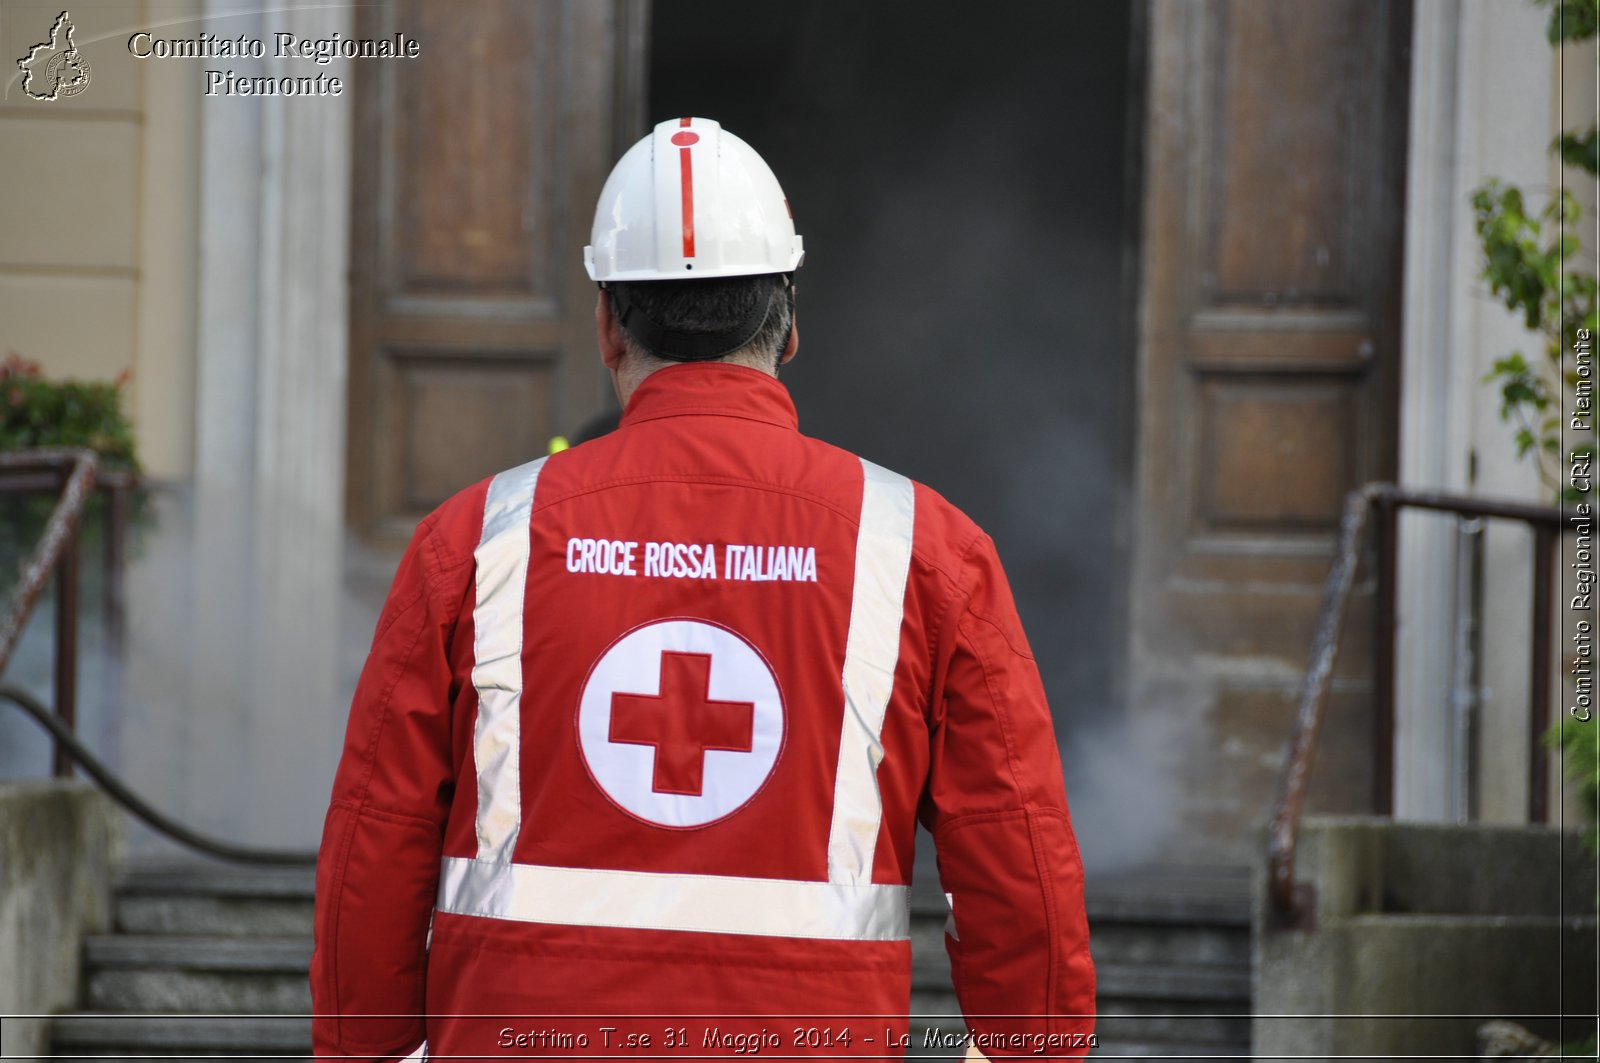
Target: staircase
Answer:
pixel 1172 964
pixel 212 961
pixel 204 960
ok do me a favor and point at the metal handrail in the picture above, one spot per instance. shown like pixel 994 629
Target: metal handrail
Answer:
pixel 22 472
pixel 123 795
pixel 60 532
pixel 55 553
pixel 1292 901
pixel 1285 828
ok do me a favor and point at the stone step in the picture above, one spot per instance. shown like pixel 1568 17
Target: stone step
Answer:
pixel 1113 944
pixel 1221 984
pixel 202 915
pixel 185 880
pixel 287 955
pixel 1190 1025
pixel 1224 986
pixel 144 990
pixel 1168 907
pixel 208 900
pixel 197 975
pixel 98 1034
pixel 1117 942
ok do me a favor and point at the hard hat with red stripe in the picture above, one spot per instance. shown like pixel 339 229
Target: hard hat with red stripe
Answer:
pixel 691 201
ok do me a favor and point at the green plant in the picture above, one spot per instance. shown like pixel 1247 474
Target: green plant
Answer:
pixel 1579 744
pixel 1527 260
pixel 37 412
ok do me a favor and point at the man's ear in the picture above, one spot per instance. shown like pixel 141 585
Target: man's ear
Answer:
pixel 608 332
pixel 791 348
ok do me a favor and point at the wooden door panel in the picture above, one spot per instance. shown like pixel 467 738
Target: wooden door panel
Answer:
pixel 459 417
pixel 471 165
pixel 1275 157
pixel 1286 140
pixel 1277 453
pixel 1240 631
pixel 475 175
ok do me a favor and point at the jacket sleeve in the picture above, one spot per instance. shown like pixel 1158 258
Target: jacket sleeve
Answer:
pixel 1018 937
pixel 378 867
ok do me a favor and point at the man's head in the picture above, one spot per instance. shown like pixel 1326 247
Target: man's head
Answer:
pixel 694 248
pixel 754 316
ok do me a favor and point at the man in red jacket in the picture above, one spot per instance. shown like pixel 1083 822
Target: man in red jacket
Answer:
pixel 635 765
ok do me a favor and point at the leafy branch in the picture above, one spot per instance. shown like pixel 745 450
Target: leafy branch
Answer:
pixel 1528 262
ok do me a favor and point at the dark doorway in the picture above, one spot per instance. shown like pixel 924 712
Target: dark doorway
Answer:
pixel 960 175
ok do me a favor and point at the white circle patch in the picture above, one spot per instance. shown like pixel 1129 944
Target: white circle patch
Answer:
pixel 680 722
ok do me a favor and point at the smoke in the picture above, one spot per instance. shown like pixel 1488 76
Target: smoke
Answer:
pixel 1122 789
pixel 227 708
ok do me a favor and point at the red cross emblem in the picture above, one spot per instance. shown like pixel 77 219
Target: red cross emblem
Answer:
pixel 682 722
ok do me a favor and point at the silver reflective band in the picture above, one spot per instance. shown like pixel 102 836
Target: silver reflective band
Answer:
pixel 849 906
pixel 642 900
pixel 501 581
pixel 872 649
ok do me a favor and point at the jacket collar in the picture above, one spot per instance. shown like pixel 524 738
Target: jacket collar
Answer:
pixel 711 388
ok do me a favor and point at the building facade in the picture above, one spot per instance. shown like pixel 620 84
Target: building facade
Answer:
pixel 1145 288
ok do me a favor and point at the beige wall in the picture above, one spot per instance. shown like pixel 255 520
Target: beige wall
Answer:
pixel 1577 101
pixel 1488 95
pixel 98 211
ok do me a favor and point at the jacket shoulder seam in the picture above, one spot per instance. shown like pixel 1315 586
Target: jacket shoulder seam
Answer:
pixel 445 557
pixel 1001 713
pixel 956 598
pixel 382 709
pixel 999 630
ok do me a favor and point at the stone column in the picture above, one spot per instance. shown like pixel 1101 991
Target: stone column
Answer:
pixel 1481 107
pixel 266 714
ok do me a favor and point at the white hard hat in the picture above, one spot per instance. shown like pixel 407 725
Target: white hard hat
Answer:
pixel 691 200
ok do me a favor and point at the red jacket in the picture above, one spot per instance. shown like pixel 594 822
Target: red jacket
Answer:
pixel 645 731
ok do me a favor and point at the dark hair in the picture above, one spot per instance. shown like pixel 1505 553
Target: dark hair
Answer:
pixel 709 307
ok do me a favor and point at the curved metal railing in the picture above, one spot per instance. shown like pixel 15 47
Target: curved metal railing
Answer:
pixel 1285 828
pixel 123 795
pixel 1291 900
pixel 73 472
